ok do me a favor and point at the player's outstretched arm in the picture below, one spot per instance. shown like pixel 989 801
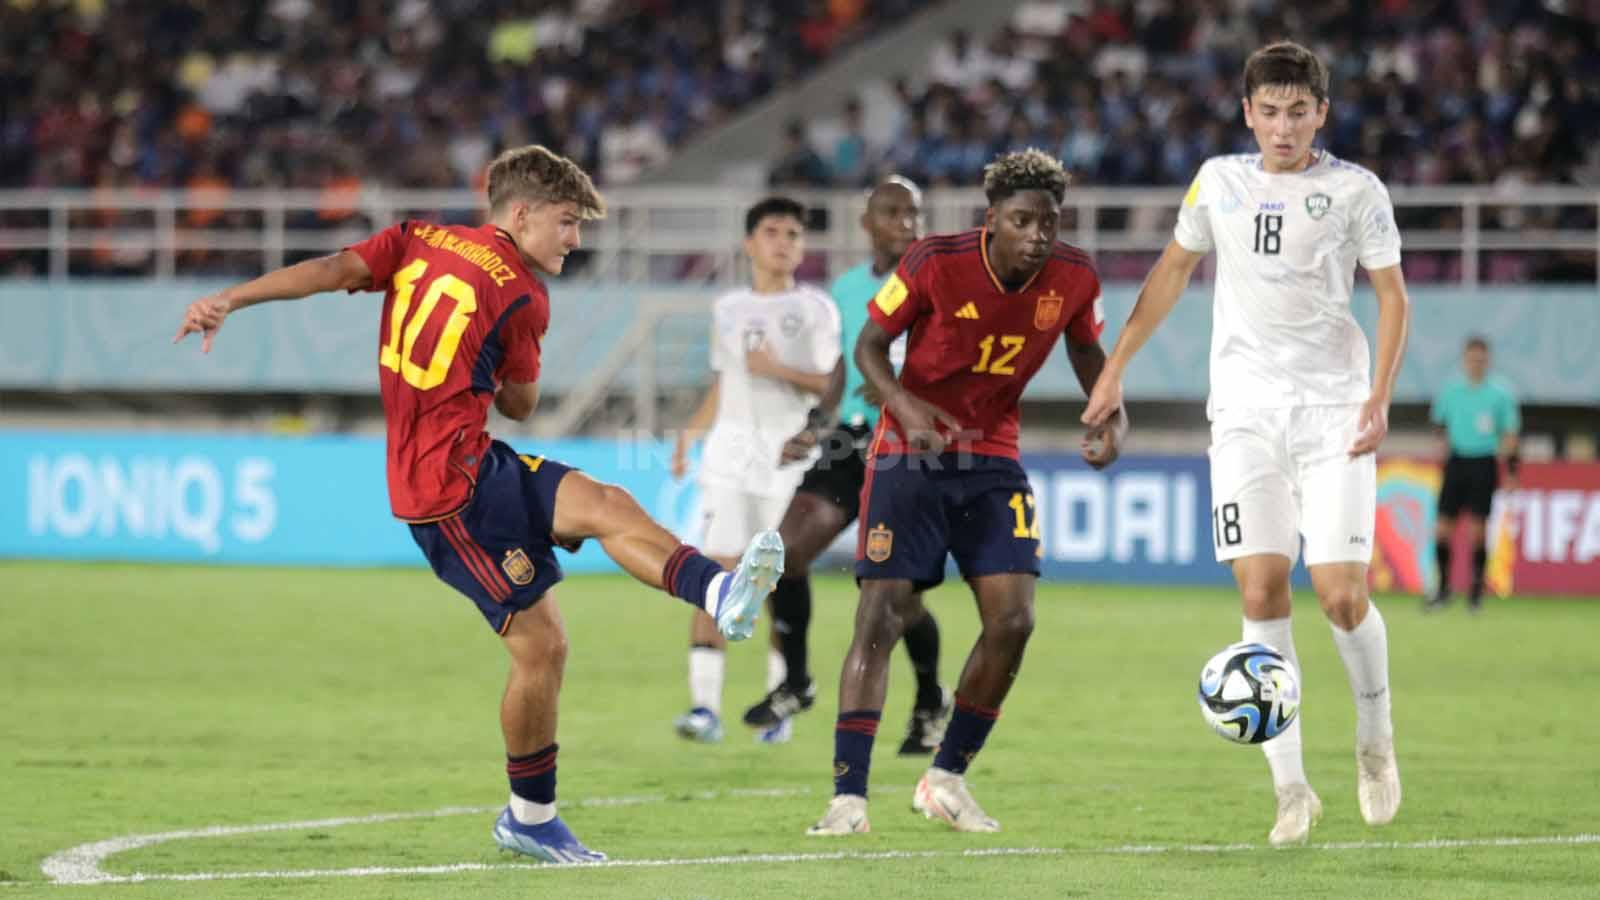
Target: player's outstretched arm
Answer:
pixel 1393 313
pixel 1102 443
pixel 344 270
pixel 1162 288
pixel 696 427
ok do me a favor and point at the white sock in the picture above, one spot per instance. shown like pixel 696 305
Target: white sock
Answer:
pixel 705 678
pixel 530 813
pixel 777 669
pixel 1284 754
pixel 1365 651
pixel 714 593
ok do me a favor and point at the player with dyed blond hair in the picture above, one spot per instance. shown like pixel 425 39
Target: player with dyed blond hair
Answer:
pixel 464 314
pixel 1295 418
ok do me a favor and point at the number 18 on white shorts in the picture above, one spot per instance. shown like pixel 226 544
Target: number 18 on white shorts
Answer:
pixel 1282 473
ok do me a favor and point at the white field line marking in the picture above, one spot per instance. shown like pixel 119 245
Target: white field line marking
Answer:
pixel 81 864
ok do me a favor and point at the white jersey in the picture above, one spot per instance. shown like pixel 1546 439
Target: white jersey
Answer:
pixel 1287 246
pixel 756 414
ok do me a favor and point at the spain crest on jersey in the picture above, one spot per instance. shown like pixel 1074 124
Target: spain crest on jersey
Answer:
pixel 880 543
pixel 518 567
pixel 1047 310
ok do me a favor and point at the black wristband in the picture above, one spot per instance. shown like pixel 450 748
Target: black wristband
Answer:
pixel 817 419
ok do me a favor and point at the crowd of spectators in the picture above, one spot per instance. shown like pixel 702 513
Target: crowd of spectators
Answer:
pixel 333 95
pixel 319 93
pixel 1140 93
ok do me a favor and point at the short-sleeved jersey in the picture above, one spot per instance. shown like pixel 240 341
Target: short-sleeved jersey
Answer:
pixel 461 315
pixel 974 345
pixel 1476 416
pixel 1287 245
pixel 852 291
pixel 756 414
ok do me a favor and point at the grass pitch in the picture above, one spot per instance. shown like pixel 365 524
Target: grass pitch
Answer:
pixel 144 699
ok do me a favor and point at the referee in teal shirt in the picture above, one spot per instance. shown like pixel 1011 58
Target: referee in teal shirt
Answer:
pixel 1477 417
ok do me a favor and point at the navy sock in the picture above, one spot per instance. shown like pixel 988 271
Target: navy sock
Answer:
pixel 969 728
pixel 687 574
pixel 852 750
pixel 791 617
pixel 533 777
pixel 922 645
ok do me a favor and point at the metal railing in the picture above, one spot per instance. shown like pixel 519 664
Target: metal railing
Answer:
pixel 692 233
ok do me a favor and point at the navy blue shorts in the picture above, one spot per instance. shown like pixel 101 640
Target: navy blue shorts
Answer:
pixel 499 550
pixel 979 509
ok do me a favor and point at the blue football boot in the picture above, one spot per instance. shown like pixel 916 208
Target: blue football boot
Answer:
pixel 551 841
pixel 747 586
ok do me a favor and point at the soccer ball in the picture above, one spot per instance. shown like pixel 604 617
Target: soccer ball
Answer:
pixel 1249 693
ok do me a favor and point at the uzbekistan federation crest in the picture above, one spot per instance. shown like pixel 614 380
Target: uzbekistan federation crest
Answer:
pixel 518 567
pixel 1317 205
pixel 880 543
pixel 1047 310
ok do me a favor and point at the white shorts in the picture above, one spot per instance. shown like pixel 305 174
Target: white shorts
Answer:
pixel 730 517
pixel 1278 474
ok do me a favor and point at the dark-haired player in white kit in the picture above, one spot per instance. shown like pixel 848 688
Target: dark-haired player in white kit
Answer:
pixel 1295 419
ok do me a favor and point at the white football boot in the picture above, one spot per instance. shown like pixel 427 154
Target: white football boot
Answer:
pixel 1299 808
pixel 944 795
pixel 1377 781
pixel 846 814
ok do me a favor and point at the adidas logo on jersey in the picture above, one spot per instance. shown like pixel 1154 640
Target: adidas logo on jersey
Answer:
pixel 970 311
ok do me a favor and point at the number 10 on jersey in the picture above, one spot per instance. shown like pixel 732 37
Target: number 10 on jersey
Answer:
pixel 395 354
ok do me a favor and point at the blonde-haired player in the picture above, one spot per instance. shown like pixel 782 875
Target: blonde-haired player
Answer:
pixel 1295 419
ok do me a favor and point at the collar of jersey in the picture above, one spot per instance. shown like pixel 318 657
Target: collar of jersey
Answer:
pixel 1318 155
pixel 983 251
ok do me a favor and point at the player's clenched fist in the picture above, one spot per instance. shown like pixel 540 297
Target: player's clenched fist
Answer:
pixel 204 317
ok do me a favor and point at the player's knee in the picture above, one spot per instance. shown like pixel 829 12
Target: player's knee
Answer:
pixel 1444 529
pixel 1344 603
pixel 1012 627
pixel 1263 600
pixel 616 505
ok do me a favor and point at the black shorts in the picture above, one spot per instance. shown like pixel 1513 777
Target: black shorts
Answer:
pixel 1469 484
pixel 837 475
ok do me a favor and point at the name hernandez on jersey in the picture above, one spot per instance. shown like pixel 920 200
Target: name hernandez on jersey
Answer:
pixel 756 414
pixel 974 345
pixel 1287 246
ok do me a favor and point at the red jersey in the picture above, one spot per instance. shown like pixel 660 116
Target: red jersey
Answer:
pixel 462 314
pixel 973 344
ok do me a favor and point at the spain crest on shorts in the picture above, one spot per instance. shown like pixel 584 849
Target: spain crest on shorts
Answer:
pixel 1047 310
pixel 880 543
pixel 518 567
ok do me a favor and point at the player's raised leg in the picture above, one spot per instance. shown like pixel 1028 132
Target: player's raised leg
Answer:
pixel 885 607
pixel 1362 639
pixel 1264 593
pixel 586 508
pixel 536 640
pixel 1005 608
